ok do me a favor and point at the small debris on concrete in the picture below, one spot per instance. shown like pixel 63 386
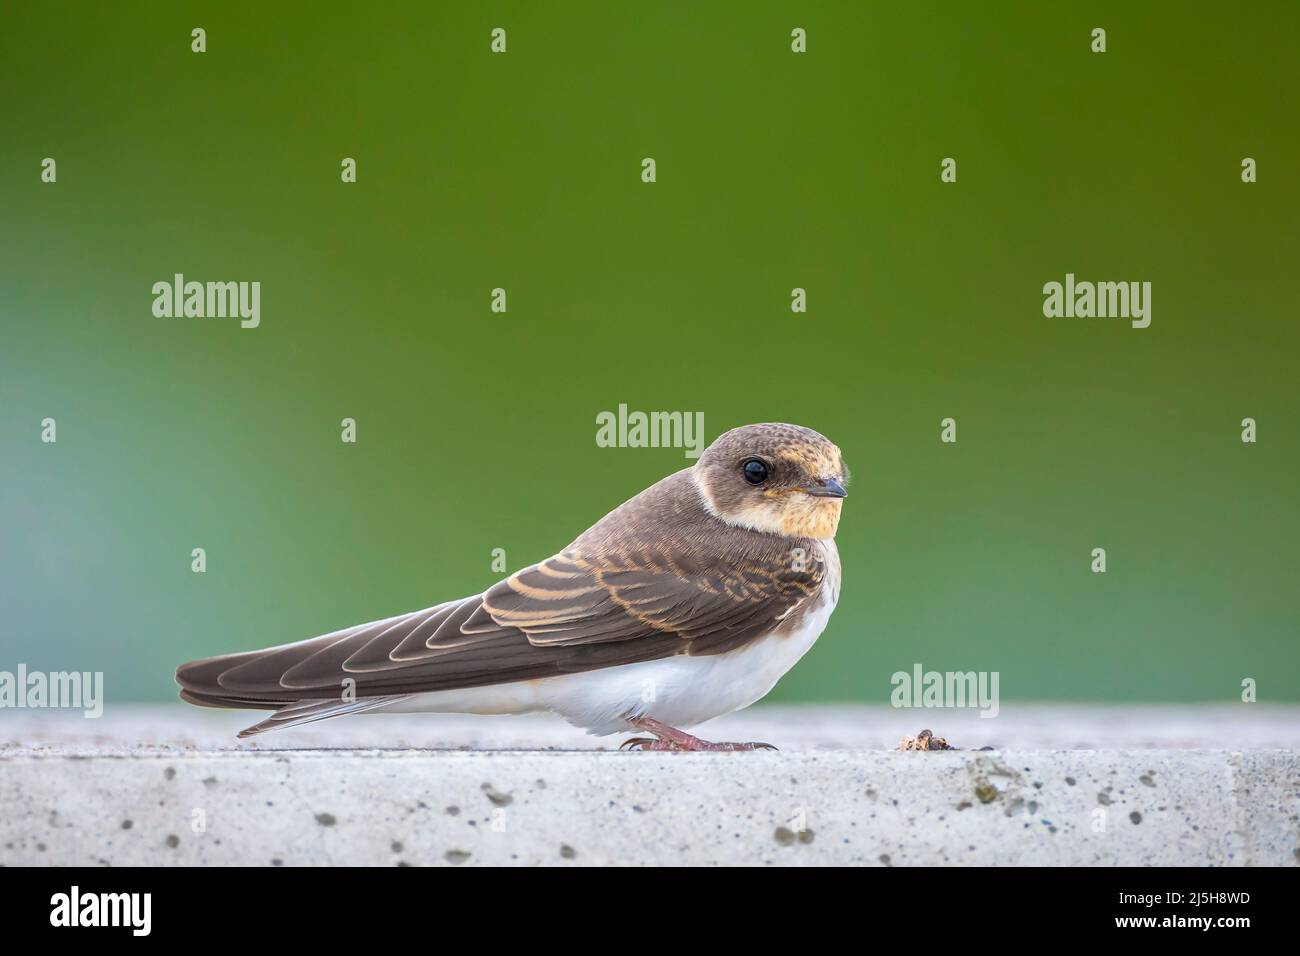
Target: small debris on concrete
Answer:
pixel 985 792
pixel 925 740
pixel 787 837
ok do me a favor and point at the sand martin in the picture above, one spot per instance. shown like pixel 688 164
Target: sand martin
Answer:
pixel 686 602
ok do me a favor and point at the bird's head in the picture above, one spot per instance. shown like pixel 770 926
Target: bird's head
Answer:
pixel 782 479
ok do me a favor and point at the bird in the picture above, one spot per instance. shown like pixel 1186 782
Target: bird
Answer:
pixel 688 601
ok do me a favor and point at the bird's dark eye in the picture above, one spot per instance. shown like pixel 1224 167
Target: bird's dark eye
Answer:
pixel 755 471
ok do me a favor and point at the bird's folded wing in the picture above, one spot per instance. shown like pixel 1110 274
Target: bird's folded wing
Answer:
pixel 573 612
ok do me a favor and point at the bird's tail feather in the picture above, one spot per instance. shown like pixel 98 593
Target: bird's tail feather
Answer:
pixel 306 711
pixel 200 684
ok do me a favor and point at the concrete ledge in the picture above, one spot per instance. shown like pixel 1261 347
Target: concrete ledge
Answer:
pixel 119 804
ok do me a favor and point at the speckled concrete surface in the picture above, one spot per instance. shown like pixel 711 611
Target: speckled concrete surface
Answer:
pixel 150 786
pixel 177 727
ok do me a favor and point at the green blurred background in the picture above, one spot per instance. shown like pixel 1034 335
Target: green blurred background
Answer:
pixel 775 170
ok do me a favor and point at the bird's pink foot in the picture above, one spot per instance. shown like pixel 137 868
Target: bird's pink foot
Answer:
pixel 672 739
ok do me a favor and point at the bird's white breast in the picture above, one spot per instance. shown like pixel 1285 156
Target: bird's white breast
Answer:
pixel 680 691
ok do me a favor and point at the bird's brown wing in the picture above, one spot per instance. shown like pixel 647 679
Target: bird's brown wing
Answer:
pixel 577 611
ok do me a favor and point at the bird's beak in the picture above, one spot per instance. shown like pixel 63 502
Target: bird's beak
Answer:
pixel 827 488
